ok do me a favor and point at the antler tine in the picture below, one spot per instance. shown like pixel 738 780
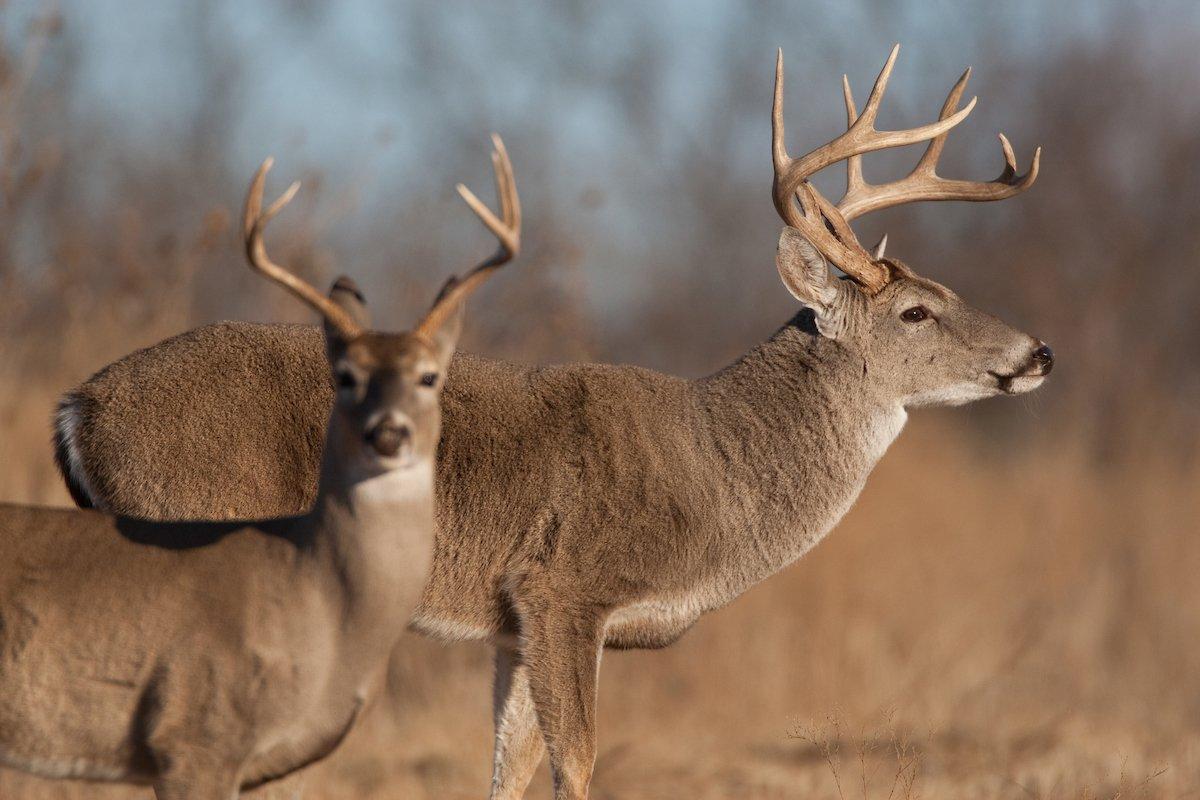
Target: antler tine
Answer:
pixel 779 157
pixel 254 222
pixel 929 159
pixel 879 248
pixel 854 175
pixel 871 109
pixel 510 204
pixel 506 230
pixel 861 135
pixel 855 182
pixel 923 183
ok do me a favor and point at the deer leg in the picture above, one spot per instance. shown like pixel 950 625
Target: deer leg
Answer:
pixel 519 747
pixel 289 788
pixel 562 650
pixel 196 784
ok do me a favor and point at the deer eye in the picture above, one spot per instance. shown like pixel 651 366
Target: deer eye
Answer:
pixel 915 314
pixel 429 379
pixel 346 379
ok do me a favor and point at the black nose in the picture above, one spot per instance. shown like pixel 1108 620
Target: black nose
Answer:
pixel 1044 357
pixel 389 438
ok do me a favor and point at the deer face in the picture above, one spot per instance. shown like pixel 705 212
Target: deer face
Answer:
pixel 927 346
pixel 386 414
pixel 935 349
pixel 386 408
pixel 920 343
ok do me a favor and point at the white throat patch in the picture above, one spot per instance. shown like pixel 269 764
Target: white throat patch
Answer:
pixel 396 486
pixel 884 430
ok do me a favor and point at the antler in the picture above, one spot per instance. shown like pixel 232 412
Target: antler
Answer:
pixel 923 183
pixel 507 230
pixel 254 221
pixel 825 224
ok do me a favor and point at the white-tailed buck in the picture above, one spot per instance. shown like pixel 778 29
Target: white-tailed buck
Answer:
pixel 587 505
pixel 204 658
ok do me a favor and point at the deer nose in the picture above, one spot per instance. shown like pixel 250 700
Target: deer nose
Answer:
pixel 1044 357
pixel 389 437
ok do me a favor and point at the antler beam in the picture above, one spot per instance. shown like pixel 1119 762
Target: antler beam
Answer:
pixel 506 229
pixel 254 222
pixel 827 225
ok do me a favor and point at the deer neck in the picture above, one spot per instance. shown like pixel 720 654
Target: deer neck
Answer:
pixel 376 528
pixel 796 427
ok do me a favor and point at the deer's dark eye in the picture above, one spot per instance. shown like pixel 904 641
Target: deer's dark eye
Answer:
pixel 346 380
pixel 429 379
pixel 915 314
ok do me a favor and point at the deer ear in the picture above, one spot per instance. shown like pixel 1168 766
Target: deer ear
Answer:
pixel 806 275
pixel 346 294
pixel 445 338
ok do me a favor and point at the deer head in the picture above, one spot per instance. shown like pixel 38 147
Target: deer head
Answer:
pixel 386 413
pixel 925 345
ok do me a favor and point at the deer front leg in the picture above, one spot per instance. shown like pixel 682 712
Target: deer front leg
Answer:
pixel 562 650
pixel 289 788
pixel 186 784
pixel 519 748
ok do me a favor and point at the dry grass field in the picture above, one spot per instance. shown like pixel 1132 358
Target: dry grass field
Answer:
pixel 1011 610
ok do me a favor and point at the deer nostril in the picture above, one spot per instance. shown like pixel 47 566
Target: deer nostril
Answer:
pixel 1045 357
pixel 388 438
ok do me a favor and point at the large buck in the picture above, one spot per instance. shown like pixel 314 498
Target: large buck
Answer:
pixel 588 505
pixel 204 658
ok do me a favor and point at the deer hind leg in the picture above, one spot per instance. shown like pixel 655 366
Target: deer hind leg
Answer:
pixel 562 650
pixel 519 746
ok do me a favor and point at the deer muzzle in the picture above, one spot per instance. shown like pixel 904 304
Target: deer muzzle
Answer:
pixel 391 437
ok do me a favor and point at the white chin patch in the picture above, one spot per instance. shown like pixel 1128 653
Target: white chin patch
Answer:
pixel 1025 383
pixel 954 395
pixel 413 482
pixel 378 464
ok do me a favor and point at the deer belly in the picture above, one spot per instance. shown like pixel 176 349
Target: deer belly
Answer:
pixel 651 624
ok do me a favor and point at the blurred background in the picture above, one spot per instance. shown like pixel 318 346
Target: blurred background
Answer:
pixel 1012 608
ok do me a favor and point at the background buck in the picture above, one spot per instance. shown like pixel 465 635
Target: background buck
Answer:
pixel 587 505
pixel 207 657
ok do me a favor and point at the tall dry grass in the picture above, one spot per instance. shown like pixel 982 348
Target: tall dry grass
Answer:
pixel 1010 611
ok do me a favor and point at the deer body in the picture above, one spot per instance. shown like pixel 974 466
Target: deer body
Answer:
pixel 127 648
pixel 203 658
pixel 715 483
pixel 585 505
pixel 653 498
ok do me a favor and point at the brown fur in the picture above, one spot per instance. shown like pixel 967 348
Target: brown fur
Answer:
pixel 578 505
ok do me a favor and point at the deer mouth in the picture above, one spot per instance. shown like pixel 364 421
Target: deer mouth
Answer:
pixel 1031 374
pixel 1024 380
